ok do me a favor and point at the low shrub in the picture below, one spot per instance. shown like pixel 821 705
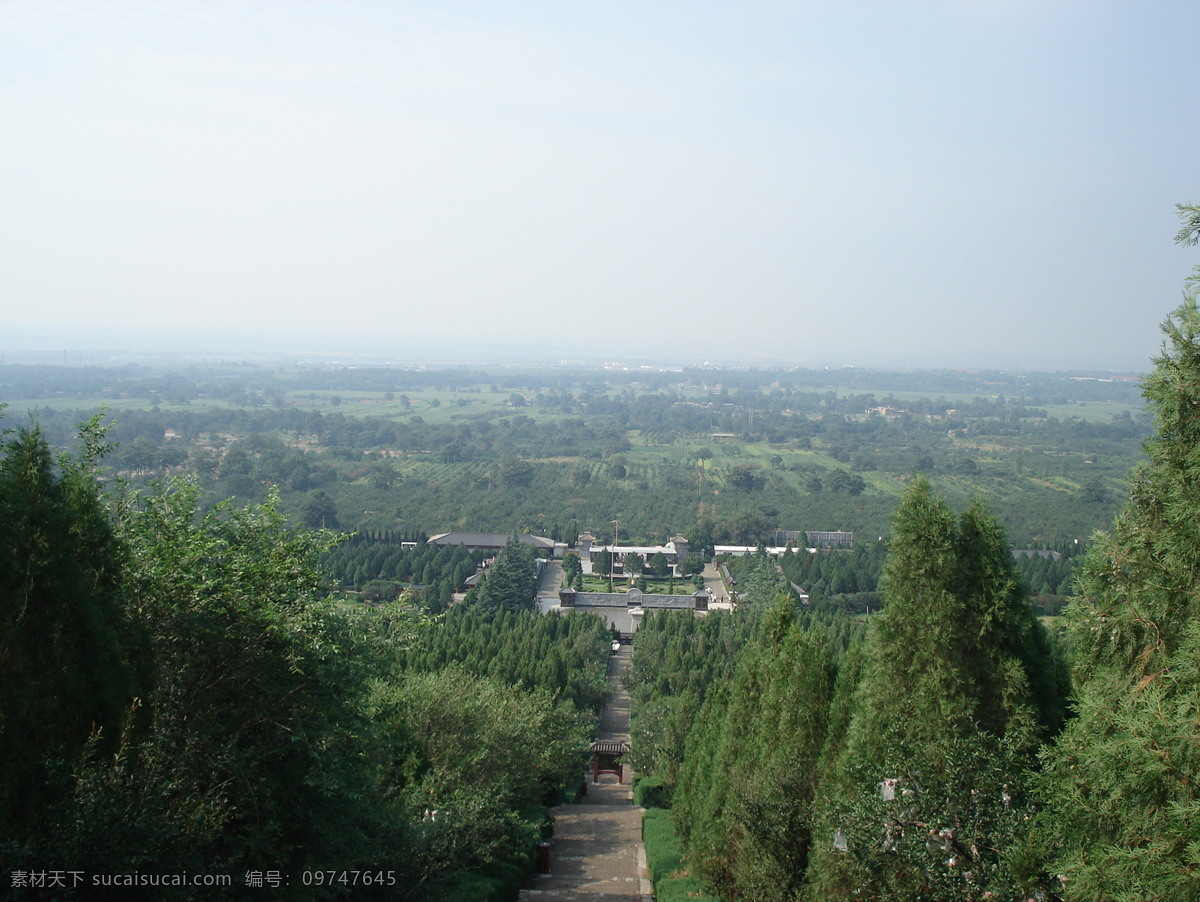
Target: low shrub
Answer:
pixel 475 888
pixel 651 792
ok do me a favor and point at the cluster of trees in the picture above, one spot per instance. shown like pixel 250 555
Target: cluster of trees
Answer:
pixel 379 567
pixel 829 573
pixel 839 482
pixel 181 695
pixel 947 755
pixel 959 687
pixel 565 656
pixel 677 657
pixel 586 442
pixel 828 760
pixel 851 578
pixel 572 570
pixel 746 787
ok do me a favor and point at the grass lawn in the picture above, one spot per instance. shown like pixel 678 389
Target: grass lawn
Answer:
pixel 653 585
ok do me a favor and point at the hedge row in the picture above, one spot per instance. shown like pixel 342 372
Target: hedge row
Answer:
pixel 651 792
pixel 672 883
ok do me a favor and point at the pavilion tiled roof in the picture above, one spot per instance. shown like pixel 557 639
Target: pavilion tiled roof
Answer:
pixel 609 747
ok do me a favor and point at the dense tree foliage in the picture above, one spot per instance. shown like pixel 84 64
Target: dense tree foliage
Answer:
pixel 746 790
pixel 850 579
pixel 463 455
pixel 676 659
pixel 207 708
pixel 65 676
pixel 379 565
pixel 1123 816
pixel 510 583
pixel 242 748
pixel 565 656
pixel 473 760
pixel 824 766
pixel 959 686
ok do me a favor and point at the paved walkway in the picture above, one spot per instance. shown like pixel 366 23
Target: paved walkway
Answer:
pixel 597 854
pixel 550 581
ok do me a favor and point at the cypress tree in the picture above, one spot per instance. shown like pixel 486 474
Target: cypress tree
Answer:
pixel 1122 817
pixel 64 673
pixel 747 783
pixel 511 581
pixel 924 797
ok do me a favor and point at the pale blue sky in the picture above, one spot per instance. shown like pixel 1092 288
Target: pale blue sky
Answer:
pixel 940 183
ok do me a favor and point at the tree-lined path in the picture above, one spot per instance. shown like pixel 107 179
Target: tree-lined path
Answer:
pixel 597 853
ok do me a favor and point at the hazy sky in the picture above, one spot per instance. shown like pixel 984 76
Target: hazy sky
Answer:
pixel 937 183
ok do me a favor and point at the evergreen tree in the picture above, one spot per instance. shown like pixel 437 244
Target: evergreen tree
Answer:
pixel 511 581
pixel 924 799
pixel 602 563
pixel 64 673
pixel 1122 784
pixel 746 788
pixel 249 740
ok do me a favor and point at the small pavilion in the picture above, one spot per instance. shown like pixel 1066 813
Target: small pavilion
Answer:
pixel 606 758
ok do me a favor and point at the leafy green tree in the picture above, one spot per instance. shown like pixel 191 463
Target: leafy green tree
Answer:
pixel 515 473
pixel 633 564
pixel 571 565
pixel 749 527
pixel 250 741
pixel 320 511
pixel 659 565
pixel 745 478
pixel 1122 784
pixel 843 482
pixel 468 758
pixel 65 677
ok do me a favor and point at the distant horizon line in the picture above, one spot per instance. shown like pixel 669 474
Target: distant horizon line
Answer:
pixel 113 358
pixel 113 348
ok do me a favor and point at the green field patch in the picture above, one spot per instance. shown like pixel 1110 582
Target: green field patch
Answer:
pixel 89 405
pixel 654 586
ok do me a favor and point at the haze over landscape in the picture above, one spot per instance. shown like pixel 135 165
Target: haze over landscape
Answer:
pixel 471 452
pixel 907 184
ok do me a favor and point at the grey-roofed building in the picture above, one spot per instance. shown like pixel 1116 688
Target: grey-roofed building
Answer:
pixel 829 538
pixel 625 610
pixel 674 551
pixel 492 541
pixel 747 550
